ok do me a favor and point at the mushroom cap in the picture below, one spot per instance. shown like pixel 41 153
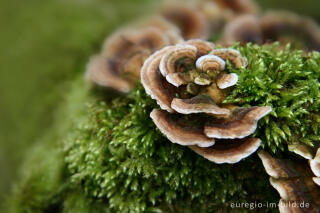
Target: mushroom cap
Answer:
pixel 293 182
pixel 296 189
pixel 154 83
pixel 277 168
pixel 244 28
pixel 315 164
pixel 234 56
pixel 316 180
pixel 127 40
pixel 203 47
pixel 302 150
pixel 159 22
pixel 100 71
pixel 210 62
pixel 177 79
pixel 180 51
pixel 122 57
pixel 275 24
pixel 180 131
pixel 242 124
pixel 227 80
pixel 229 151
pixel 198 104
pixel 315 167
pixel 191 22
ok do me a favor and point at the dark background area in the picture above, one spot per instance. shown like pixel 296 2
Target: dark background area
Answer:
pixel 43 45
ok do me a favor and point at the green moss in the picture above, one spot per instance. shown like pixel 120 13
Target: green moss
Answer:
pixel 288 81
pixel 116 153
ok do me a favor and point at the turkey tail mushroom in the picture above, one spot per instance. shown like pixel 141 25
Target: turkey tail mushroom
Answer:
pixel 294 183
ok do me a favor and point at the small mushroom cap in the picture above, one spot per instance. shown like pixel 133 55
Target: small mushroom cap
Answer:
pixel 316 180
pixel 198 104
pixel 192 23
pixel 227 80
pixel 180 132
pixel 234 56
pixel 100 71
pixel 245 28
pixel 210 62
pixel 180 51
pixel 240 125
pixel 154 83
pixel 203 47
pixel 277 168
pixel 302 150
pixel 230 151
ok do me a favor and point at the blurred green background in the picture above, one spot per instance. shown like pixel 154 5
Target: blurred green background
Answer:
pixel 43 45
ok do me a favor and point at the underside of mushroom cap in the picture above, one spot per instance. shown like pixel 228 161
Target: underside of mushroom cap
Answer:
pixel 241 124
pixel 101 71
pixel 192 23
pixel 243 29
pixel 228 151
pixel 180 131
pixel 234 56
pixel 198 104
pixel 153 81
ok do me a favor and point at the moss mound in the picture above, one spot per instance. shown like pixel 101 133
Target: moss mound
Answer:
pixel 114 159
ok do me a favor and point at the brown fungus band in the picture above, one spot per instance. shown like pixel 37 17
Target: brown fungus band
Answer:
pixel 294 182
pixel 124 52
pixel 285 27
pixel 189 81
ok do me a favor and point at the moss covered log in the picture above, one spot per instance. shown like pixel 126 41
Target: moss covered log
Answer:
pixel 112 158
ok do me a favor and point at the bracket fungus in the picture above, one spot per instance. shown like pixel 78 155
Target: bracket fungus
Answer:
pixel 119 63
pixel 189 81
pixel 294 183
pixel 188 18
pixel 271 26
pixel 308 153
